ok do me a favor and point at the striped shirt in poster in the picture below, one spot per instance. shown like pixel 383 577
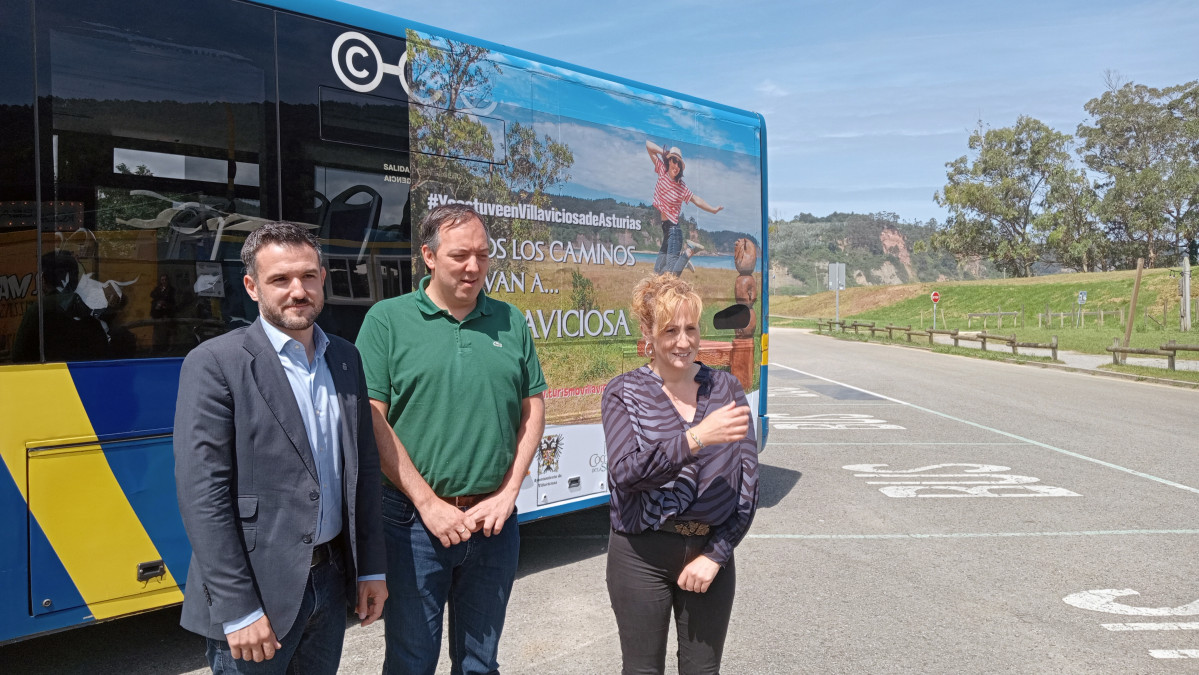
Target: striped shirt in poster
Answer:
pixel 669 194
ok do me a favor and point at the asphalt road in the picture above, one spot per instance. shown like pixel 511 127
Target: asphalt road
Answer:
pixel 919 513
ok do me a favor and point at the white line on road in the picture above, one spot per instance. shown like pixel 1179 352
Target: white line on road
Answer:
pixel 770 443
pixel 1168 625
pixel 1039 444
pixel 1174 653
pixel 932 535
pixel 970 535
pixel 774 404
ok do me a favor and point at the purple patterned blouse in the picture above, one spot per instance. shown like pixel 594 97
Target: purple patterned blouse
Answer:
pixel 655 476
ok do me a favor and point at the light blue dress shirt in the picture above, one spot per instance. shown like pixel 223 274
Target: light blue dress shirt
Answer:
pixel 312 385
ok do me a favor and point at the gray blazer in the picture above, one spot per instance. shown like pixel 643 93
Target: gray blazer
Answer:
pixel 247 481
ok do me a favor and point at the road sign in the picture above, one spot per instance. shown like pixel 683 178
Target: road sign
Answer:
pixel 936 297
pixel 836 276
pixel 1082 297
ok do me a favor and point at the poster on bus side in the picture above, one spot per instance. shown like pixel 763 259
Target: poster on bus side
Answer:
pixel 583 182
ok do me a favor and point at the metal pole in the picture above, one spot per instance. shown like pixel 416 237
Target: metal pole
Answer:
pixel 934 316
pixel 837 295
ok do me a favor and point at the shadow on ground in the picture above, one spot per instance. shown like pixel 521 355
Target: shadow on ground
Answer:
pixel 150 644
pixel 775 483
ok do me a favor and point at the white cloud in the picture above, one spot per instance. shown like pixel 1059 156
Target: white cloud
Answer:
pixel 769 88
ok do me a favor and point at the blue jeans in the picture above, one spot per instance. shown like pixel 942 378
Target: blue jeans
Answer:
pixel 312 644
pixel 669 253
pixel 475 577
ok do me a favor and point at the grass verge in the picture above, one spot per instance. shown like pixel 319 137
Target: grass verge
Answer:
pixel 1159 373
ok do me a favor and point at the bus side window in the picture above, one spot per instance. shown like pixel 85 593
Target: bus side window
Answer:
pixel 18 198
pixel 159 159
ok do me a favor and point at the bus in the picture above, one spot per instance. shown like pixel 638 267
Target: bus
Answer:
pixel 143 139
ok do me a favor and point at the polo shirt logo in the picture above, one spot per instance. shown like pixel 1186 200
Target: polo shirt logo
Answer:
pixel 497 343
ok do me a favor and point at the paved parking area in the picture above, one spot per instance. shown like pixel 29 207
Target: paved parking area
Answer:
pixel 919 513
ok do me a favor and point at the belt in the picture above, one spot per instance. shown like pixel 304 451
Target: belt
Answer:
pixel 688 528
pixel 323 553
pixel 465 501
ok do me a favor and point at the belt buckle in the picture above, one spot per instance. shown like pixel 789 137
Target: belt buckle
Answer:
pixel 689 528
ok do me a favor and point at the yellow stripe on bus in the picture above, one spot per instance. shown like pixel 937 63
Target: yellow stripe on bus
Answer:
pixel 85 515
pixel 73 493
pixel 38 403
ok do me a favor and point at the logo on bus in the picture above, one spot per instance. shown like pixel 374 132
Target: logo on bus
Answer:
pixel 360 66
pixel 549 453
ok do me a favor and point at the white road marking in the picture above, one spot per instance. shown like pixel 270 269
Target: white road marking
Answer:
pixel 985 480
pixel 1174 653
pixel 1039 444
pixel 970 535
pixel 916 535
pixel 839 421
pixel 835 404
pixel 773 442
pixel 1165 625
pixel 1104 600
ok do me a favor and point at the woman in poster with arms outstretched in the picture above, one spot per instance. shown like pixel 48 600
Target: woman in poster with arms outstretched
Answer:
pixel 670 194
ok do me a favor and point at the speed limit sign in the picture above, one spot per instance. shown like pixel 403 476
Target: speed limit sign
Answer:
pixel 936 297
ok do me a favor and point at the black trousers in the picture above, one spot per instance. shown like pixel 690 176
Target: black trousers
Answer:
pixel 643 571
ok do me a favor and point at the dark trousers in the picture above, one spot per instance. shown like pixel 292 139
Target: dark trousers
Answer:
pixel 313 643
pixel 643 571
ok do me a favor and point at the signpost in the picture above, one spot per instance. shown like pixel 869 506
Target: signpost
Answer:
pixel 936 297
pixel 836 283
pixel 1082 300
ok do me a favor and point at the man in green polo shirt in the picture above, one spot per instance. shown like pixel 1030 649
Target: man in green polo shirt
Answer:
pixel 455 388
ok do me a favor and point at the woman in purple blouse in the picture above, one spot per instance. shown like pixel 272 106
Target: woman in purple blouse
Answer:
pixel 683 470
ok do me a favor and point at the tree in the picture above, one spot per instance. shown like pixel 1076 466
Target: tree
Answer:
pixel 998 201
pixel 1075 237
pixel 1145 143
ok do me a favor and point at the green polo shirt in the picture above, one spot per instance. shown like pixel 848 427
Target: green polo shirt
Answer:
pixel 453 388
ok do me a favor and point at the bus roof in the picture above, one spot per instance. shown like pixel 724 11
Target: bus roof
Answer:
pixel 373 20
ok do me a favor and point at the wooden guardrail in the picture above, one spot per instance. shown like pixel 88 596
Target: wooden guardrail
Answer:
pixel 830 324
pixel 981 337
pixel 874 330
pixel 1051 346
pixel 922 333
pixel 1118 353
pixel 1173 347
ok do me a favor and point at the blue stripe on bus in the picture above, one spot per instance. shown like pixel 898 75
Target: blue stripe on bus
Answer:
pixel 564 507
pixel 49 580
pixel 764 375
pixel 141 467
pixel 13 556
pixel 133 398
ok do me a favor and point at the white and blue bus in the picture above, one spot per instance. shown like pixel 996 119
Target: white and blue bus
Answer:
pixel 141 140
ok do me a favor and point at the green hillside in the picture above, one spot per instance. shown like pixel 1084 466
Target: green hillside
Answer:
pixel 1156 316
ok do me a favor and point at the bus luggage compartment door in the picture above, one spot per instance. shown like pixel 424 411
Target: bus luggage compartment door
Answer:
pixel 104 528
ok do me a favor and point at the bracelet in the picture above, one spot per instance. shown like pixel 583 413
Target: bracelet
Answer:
pixel 695 437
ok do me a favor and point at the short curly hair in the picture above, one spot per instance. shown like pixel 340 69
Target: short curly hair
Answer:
pixel 656 300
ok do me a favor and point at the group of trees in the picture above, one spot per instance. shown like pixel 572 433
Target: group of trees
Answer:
pixel 1126 186
pixel 456 152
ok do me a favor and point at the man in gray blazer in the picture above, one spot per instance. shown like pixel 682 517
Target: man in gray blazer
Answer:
pixel 277 475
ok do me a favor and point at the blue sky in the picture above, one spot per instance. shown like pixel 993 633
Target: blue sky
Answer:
pixel 865 101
